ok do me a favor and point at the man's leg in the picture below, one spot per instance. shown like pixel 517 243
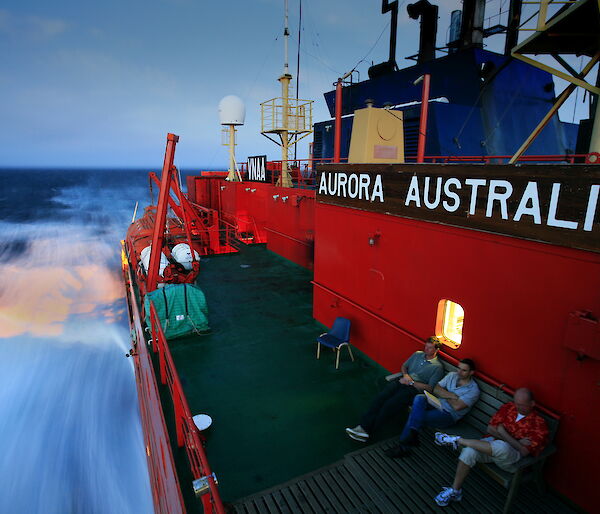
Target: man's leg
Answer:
pixel 416 417
pixel 469 456
pixel 477 444
pixel 462 470
pixel 388 408
pixel 369 419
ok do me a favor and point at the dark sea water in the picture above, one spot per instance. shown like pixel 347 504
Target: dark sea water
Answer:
pixel 70 433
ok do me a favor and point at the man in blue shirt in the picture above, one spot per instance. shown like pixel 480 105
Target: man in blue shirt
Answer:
pixel 421 372
pixel 457 393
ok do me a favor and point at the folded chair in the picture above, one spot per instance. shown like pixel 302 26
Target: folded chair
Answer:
pixel 337 337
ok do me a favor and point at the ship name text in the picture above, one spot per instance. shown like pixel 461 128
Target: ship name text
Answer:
pixel 352 185
pixel 555 203
pixel 496 198
pixel 257 168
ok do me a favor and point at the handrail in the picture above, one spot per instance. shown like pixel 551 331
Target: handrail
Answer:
pixel 487 159
pixel 164 483
pixel 188 434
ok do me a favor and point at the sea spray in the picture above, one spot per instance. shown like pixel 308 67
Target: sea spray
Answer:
pixel 70 434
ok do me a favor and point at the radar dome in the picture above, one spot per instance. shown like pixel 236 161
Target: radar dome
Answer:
pixel 232 110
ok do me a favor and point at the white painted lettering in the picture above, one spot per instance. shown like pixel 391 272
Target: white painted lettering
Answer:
pixel 553 221
pixel 332 184
pixel 494 195
pixel 590 213
pixel 364 182
pixel 451 194
pixel 323 184
pixel 377 189
pixel 474 183
pixel 530 195
pixel 342 181
pixel 353 186
pixel 438 193
pixel 413 192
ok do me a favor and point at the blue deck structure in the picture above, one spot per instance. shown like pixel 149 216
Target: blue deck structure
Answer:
pixel 487 104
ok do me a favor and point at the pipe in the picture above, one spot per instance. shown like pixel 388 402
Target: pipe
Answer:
pixel 424 112
pixel 338 121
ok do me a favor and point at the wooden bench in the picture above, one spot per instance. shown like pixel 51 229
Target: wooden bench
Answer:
pixel 474 426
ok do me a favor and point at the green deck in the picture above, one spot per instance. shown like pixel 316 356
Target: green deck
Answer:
pixel 278 412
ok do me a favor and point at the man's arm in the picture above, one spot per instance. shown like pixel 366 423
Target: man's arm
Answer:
pixel 442 392
pixel 422 386
pixel 520 446
pixel 453 399
pixel 406 379
pixel 499 432
pixel 493 431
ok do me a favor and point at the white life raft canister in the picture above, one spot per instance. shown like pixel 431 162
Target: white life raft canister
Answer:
pixel 145 260
pixel 183 255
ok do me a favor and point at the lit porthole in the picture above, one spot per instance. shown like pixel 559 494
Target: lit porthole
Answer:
pixel 449 323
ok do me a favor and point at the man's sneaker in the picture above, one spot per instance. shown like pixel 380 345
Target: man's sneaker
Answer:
pixel 358 434
pixel 412 439
pixel 442 439
pixel 448 495
pixel 397 452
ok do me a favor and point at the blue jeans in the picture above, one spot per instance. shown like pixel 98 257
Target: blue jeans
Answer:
pixel 424 414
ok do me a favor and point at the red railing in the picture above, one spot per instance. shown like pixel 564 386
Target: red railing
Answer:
pixel 301 170
pixel 188 434
pixel 502 159
pixel 166 491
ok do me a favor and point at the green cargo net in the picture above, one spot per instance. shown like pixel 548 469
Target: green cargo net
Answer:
pixel 181 308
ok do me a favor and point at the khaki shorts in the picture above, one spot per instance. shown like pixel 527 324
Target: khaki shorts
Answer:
pixel 503 455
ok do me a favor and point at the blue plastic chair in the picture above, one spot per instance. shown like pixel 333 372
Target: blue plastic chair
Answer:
pixel 337 337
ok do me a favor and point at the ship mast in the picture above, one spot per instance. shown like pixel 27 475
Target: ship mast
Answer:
pixel 285 180
pixel 290 119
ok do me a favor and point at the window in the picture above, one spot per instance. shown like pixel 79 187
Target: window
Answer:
pixel 449 323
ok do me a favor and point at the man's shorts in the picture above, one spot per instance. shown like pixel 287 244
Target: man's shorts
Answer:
pixel 503 455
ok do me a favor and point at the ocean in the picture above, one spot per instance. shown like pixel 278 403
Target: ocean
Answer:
pixel 70 433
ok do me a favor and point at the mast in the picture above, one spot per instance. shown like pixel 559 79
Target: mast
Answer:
pixel 285 180
pixel 289 118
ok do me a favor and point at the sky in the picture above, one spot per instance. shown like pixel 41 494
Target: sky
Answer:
pixel 100 84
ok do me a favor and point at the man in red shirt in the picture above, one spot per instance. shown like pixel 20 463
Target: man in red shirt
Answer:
pixel 514 432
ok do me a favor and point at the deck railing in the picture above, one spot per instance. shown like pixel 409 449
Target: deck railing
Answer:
pixel 188 434
pixel 164 484
pixel 503 159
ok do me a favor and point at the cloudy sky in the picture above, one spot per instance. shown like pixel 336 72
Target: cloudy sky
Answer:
pixel 99 84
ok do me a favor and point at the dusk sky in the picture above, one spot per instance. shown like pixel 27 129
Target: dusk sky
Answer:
pixel 99 84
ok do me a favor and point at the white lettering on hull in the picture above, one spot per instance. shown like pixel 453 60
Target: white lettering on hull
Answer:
pixel 351 185
pixel 495 197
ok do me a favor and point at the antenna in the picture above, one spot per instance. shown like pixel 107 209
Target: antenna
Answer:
pixel 286 36
pixel 289 119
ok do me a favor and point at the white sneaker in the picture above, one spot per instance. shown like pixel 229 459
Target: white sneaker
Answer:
pixel 442 439
pixel 448 495
pixel 358 434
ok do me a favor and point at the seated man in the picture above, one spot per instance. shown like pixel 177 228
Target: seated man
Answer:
pixel 420 372
pixel 514 432
pixel 457 392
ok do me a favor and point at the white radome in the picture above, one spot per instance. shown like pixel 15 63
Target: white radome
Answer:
pixel 232 110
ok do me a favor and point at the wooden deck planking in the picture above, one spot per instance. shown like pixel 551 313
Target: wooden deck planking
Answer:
pixel 367 481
